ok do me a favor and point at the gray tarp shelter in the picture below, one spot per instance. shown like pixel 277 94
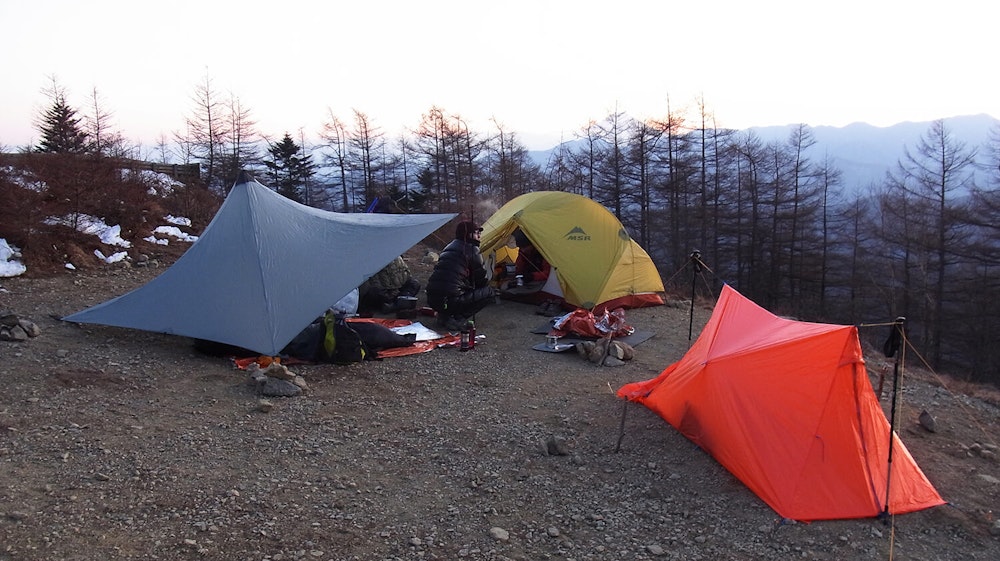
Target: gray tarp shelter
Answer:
pixel 263 270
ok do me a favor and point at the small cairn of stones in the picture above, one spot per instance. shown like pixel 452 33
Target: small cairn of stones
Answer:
pixel 606 351
pixel 276 380
pixel 14 328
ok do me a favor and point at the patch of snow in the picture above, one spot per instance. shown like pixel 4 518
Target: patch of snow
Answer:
pixel 10 264
pixel 113 258
pixel 178 220
pixel 23 179
pixel 175 232
pixel 87 224
pixel 160 183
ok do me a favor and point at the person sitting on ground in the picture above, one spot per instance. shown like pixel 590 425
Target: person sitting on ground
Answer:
pixel 458 287
pixel 529 264
pixel 534 271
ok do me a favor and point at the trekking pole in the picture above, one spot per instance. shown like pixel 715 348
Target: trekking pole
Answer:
pixel 696 268
pixel 892 345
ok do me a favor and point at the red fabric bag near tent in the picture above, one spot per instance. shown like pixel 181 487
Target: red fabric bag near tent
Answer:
pixel 585 324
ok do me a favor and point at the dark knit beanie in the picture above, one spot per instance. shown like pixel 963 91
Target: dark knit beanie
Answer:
pixel 465 229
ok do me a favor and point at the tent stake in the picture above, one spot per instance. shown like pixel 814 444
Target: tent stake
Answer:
pixel 621 427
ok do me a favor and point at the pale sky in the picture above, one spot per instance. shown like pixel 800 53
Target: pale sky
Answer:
pixel 543 69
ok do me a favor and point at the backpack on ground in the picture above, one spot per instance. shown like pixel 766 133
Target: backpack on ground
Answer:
pixel 341 343
pixel 329 339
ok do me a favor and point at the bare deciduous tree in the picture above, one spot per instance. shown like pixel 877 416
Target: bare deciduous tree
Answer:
pixel 206 133
pixel 106 139
pixel 336 140
pixel 239 141
pixel 930 178
pixel 366 146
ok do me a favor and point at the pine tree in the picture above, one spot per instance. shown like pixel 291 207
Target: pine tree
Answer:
pixel 289 170
pixel 61 129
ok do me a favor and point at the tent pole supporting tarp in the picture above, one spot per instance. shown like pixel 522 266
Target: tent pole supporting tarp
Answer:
pixel 695 269
pixel 897 336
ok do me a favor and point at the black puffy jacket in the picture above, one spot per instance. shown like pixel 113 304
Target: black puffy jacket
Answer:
pixel 460 268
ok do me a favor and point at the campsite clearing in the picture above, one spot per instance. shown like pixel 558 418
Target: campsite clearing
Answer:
pixel 121 444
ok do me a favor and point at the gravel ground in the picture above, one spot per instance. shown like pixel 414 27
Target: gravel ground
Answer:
pixel 120 444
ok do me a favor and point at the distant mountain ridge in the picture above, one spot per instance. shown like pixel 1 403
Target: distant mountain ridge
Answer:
pixel 863 152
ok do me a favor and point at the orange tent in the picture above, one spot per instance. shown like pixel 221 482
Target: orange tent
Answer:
pixel 787 407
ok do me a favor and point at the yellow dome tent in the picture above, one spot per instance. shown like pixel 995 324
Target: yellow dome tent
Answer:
pixel 598 264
